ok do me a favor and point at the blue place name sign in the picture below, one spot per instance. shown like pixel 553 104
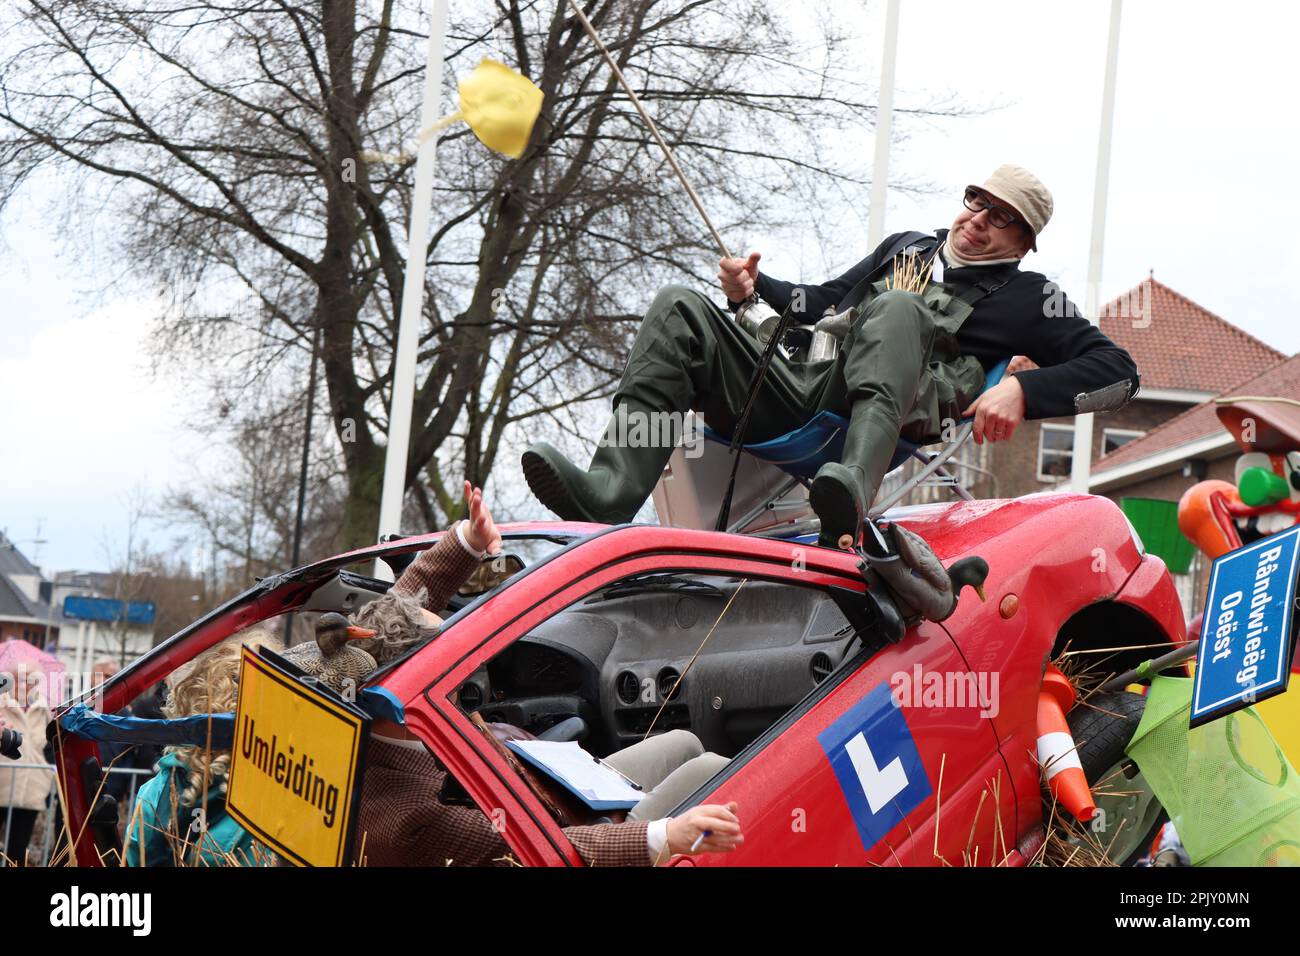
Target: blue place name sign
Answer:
pixel 108 610
pixel 1246 632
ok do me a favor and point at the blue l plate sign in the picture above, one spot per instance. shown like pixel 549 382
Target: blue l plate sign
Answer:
pixel 1245 650
pixel 875 760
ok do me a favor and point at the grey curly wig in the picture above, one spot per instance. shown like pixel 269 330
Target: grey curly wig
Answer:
pixel 399 620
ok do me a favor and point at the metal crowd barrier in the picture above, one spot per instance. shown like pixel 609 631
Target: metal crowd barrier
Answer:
pixel 48 837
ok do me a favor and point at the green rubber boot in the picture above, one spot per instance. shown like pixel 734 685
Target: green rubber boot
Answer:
pixel 842 492
pixel 623 471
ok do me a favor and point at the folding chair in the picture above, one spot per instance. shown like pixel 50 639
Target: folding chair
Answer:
pixel 800 453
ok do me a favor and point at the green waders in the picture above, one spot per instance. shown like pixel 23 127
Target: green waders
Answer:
pixel 897 372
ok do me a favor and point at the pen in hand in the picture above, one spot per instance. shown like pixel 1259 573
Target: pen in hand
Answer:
pixel 710 828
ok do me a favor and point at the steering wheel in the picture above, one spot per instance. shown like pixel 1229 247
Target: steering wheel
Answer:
pixel 571 728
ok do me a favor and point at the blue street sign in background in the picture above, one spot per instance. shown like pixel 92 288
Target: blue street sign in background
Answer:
pixel 1245 650
pixel 108 610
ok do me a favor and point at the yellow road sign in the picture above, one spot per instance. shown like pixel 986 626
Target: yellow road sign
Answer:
pixel 296 766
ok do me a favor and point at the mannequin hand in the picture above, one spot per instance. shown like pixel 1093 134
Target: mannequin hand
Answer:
pixel 998 411
pixel 480 530
pixel 737 276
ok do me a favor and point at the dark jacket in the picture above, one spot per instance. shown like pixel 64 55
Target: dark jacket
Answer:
pixel 1027 316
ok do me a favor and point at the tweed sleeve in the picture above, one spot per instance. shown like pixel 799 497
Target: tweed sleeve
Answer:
pixel 438 835
pixel 403 822
pixel 441 570
pixel 611 844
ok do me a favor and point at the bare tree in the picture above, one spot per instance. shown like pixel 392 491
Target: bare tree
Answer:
pixel 176 593
pixel 163 579
pixel 240 506
pixel 226 137
pixel 129 582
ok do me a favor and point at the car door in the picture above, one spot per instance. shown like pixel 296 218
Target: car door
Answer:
pixel 790 782
pixel 884 763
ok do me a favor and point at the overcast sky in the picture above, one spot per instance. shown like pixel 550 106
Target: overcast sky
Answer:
pixel 1201 190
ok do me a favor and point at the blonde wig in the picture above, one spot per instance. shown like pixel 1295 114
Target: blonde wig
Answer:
pixel 209 684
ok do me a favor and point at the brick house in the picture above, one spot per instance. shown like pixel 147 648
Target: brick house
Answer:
pixel 1185 354
pixel 1194 442
pixel 31 610
pixel 25 610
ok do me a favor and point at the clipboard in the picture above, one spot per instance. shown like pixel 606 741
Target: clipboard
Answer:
pixel 596 784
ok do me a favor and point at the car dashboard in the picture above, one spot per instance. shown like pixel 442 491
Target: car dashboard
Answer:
pixel 617 660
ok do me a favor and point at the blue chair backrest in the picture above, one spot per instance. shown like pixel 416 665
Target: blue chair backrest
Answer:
pixel 995 374
pixel 821 439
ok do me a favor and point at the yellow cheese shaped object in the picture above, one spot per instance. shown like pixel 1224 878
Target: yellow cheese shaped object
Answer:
pixel 500 106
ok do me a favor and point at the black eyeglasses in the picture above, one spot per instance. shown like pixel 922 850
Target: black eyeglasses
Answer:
pixel 999 216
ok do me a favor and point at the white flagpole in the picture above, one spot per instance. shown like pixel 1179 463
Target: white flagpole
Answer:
pixel 408 329
pixel 1081 462
pixel 884 125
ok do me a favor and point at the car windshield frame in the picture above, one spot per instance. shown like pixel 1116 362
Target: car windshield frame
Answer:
pixel 284 593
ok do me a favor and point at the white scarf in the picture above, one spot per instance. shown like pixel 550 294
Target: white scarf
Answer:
pixel 957 262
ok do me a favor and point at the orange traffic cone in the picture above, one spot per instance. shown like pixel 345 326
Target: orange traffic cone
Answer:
pixel 1056 750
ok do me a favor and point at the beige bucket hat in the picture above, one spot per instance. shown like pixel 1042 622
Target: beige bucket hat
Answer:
pixel 1022 191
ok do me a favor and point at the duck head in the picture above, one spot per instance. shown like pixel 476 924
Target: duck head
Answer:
pixel 333 631
pixel 968 572
pixel 915 575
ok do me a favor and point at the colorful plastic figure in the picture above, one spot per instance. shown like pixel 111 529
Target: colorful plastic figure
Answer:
pixel 1218 516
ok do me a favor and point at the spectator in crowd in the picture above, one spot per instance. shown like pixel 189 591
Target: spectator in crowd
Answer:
pixel 149 706
pixel 113 756
pixel 119 760
pixel 24 790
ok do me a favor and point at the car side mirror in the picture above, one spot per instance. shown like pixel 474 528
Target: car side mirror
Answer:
pixel 875 619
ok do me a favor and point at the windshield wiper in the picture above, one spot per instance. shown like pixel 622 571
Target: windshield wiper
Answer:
pixel 658 581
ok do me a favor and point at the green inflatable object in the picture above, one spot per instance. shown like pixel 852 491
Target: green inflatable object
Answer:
pixel 1229 790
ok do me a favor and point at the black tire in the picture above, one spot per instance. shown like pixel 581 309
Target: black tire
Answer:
pixel 1102 728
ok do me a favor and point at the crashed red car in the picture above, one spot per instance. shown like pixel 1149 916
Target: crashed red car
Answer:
pixel 853 740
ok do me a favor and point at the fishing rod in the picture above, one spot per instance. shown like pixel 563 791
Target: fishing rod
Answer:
pixel 752 314
pixel 650 124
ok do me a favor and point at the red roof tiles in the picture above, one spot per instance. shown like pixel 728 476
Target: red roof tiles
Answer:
pixel 1178 344
pixel 1199 421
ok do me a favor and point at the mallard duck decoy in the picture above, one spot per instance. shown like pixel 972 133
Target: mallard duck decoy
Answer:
pixel 331 659
pixel 918 579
